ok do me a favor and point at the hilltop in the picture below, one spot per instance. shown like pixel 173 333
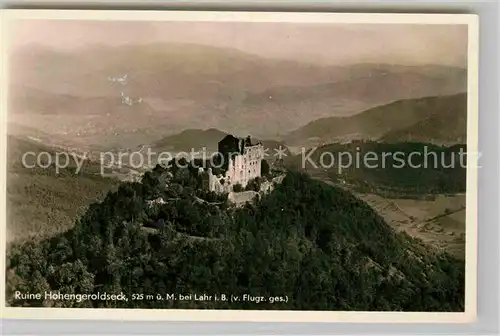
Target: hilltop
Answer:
pixel 317 245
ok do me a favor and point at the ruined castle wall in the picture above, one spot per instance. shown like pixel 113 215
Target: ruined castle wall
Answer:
pixel 240 170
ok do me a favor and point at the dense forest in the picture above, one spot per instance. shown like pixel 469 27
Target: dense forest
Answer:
pixel 316 245
pixel 42 202
pixel 405 169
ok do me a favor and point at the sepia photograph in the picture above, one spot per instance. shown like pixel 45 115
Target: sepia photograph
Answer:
pixel 239 166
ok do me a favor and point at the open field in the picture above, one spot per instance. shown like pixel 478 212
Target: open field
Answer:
pixel 440 223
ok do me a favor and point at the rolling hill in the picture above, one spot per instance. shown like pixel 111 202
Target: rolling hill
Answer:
pixel 305 246
pixel 399 170
pixel 159 69
pixel 372 87
pixel 177 69
pixel 42 202
pixel 191 86
pixel 398 116
pixel 446 125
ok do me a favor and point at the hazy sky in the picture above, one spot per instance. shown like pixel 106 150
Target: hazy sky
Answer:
pixel 319 43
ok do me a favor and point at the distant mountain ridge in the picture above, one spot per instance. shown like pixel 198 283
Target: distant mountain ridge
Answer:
pixel 151 67
pixel 192 86
pixel 432 119
pixel 444 126
pixel 393 170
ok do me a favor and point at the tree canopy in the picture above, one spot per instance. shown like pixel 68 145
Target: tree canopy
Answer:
pixel 317 245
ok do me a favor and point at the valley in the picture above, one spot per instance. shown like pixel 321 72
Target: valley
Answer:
pixel 439 223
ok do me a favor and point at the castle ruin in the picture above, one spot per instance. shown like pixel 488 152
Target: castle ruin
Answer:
pixel 240 163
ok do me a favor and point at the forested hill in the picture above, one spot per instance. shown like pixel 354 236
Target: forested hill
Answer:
pixel 404 169
pixel 42 202
pixel 317 245
pixel 418 119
